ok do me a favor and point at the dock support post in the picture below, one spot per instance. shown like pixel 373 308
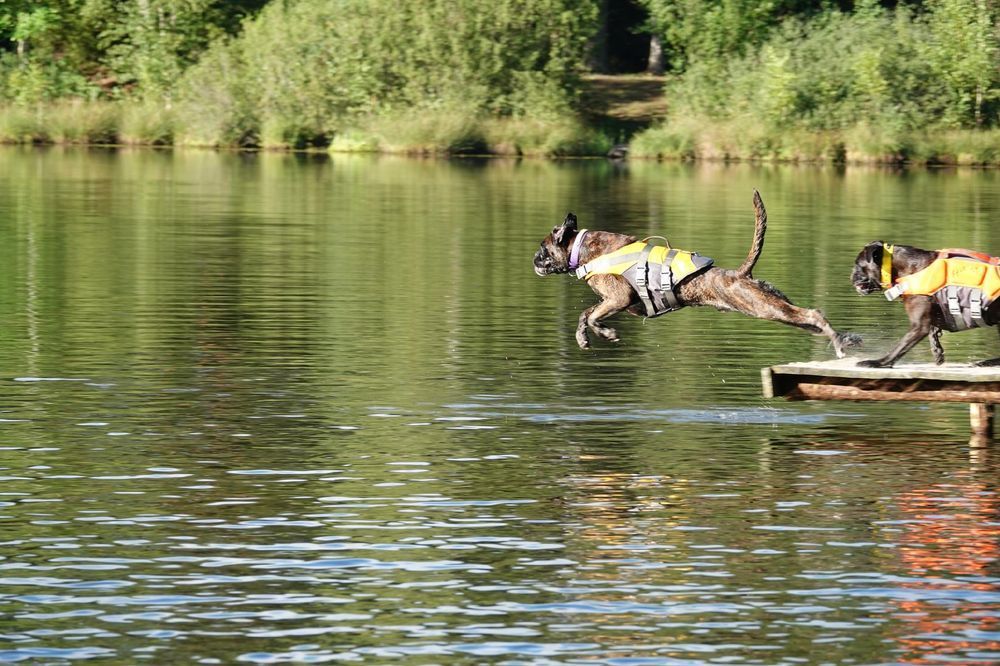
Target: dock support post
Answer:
pixel 981 416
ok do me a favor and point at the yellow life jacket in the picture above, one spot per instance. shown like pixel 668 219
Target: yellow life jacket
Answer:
pixel 653 270
pixel 964 284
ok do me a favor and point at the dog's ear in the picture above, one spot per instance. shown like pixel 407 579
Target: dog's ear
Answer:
pixel 873 252
pixel 568 226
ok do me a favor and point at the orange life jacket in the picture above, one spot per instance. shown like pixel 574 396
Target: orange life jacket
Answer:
pixel 964 284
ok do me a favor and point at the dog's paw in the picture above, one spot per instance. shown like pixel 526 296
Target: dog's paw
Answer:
pixel 609 334
pixel 873 363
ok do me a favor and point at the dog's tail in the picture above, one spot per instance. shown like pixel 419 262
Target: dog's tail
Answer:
pixel 760 227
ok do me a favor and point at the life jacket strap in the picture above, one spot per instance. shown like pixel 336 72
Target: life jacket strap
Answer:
pixel 667 281
pixel 887 266
pixel 976 308
pixel 893 293
pixel 641 268
pixel 603 263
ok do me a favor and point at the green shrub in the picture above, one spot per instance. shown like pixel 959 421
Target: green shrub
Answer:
pixel 76 121
pixel 354 141
pixel 544 137
pixel 676 140
pixel 889 68
pixel 20 124
pixel 454 131
pixel 357 59
pixel 215 108
pixel 874 85
pixel 67 121
pixel 146 123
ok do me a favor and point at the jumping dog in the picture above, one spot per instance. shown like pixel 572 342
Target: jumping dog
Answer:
pixel 566 248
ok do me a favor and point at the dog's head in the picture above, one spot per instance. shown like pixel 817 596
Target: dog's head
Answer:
pixel 867 274
pixel 553 255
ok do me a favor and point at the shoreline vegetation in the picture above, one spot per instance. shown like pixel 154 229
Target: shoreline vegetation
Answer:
pixel 111 124
pixel 799 81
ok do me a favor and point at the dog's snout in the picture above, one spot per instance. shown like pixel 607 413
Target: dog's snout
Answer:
pixel 542 262
pixel 863 282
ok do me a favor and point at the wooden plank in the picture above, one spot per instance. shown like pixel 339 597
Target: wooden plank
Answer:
pixel 810 391
pixel 921 382
pixel 848 368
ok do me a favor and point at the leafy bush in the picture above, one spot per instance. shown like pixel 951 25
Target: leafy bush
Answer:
pixel 865 85
pixel 360 58
pixel 890 68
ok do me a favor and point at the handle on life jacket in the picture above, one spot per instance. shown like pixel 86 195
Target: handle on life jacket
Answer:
pixel 972 254
pixel 666 243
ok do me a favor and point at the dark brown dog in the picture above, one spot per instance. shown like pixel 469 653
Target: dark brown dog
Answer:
pixel 924 313
pixel 723 289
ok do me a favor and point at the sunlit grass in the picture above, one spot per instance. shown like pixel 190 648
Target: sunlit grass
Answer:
pixel 684 139
pixel 461 132
pixel 80 122
pixel 20 124
pixel 146 123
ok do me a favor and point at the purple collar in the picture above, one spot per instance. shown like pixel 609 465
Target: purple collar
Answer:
pixel 574 253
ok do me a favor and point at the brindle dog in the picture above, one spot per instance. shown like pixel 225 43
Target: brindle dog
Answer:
pixel 924 313
pixel 724 289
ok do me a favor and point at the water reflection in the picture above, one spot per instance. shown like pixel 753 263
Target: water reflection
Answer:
pixel 264 408
pixel 948 535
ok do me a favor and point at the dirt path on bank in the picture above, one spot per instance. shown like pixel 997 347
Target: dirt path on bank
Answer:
pixel 622 104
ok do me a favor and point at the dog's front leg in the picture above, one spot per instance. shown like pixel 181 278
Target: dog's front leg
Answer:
pixel 581 328
pixel 918 308
pixel 591 318
pixel 616 295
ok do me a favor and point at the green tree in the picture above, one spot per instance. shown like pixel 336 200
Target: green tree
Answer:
pixel 712 29
pixel 963 50
pixel 301 69
pixel 148 44
pixel 45 50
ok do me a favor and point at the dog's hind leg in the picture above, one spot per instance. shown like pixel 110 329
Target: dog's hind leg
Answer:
pixel 763 301
pixel 936 347
pixel 814 322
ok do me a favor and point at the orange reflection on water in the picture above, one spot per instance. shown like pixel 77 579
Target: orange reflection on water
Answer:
pixel 951 531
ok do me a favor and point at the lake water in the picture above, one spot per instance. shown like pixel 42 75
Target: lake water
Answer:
pixel 272 408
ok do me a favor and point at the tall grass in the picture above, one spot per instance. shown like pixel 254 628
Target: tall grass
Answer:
pixel 864 143
pixel 64 121
pixel 458 131
pixel 82 122
pixel 146 123
pixel 19 124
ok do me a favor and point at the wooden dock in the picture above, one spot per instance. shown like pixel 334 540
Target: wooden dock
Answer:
pixel 920 382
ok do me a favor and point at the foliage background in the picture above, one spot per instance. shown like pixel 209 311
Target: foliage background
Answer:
pixel 771 78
